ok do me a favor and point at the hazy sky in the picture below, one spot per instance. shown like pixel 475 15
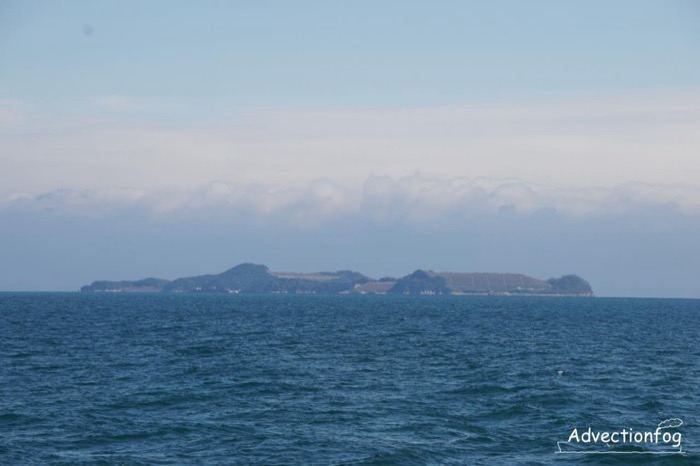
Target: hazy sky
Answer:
pixel 170 138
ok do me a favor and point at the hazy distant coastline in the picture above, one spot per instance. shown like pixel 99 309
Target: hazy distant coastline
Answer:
pixel 254 278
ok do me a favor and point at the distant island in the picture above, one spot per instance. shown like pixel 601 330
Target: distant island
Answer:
pixel 254 278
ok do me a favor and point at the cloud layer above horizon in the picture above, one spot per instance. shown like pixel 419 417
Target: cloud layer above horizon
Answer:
pixel 600 141
pixel 604 186
pixel 412 200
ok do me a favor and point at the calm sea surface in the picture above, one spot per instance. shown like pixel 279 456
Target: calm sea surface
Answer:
pixel 377 380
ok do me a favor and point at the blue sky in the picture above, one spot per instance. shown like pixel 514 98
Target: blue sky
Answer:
pixel 170 138
pixel 218 54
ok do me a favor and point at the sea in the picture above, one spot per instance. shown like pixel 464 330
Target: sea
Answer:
pixel 160 379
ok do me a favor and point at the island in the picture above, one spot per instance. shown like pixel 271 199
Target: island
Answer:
pixel 255 278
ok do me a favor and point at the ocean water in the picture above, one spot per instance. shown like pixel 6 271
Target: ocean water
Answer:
pixel 142 379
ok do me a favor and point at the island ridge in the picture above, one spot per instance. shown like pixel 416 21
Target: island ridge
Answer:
pixel 254 278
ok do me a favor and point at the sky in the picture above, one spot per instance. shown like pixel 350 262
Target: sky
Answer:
pixel 173 138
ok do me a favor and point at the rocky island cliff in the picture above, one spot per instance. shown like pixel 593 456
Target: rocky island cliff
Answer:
pixel 254 278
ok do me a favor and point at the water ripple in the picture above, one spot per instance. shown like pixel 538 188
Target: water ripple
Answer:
pixel 210 379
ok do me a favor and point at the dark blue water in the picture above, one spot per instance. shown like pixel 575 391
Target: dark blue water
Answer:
pixel 376 380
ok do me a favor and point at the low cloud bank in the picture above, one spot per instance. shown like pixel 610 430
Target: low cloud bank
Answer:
pixel 414 199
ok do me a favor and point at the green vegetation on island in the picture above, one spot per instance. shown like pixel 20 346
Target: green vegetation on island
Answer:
pixel 253 278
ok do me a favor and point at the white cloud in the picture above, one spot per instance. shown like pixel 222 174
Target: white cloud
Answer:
pixel 651 138
pixel 412 200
